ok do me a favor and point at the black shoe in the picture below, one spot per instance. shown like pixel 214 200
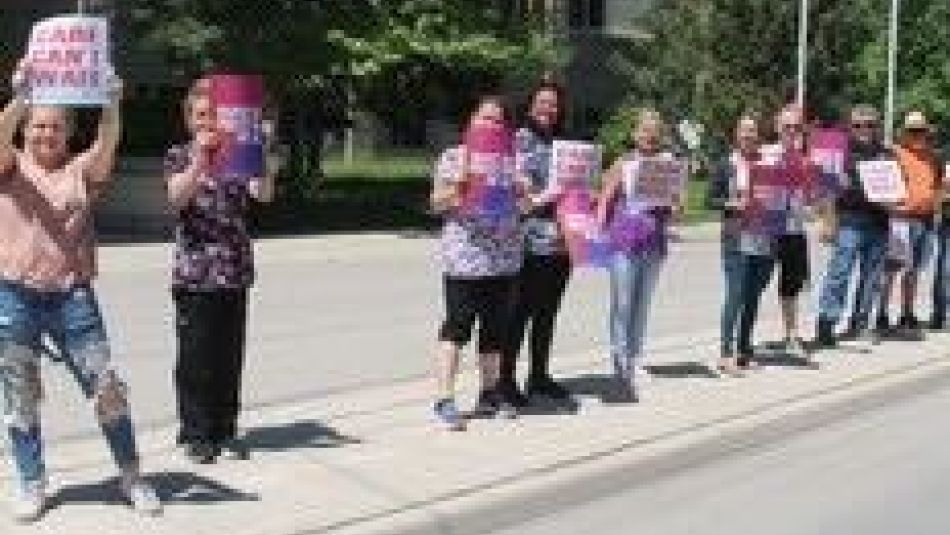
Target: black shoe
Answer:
pixel 825 336
pixel 202 452
pixel 909 321
pixel 234 449
pixel 511 394
pixel 883 325
pixel 546 387
pixel 938 324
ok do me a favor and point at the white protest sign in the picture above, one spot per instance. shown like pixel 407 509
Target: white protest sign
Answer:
pixel 69 63
pixel 574 163
pixel 656 181
pixel 882 180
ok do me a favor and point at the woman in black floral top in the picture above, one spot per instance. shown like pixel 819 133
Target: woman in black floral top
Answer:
pixel 213 269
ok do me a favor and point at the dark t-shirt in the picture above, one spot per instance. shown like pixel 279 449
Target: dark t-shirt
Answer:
pixel 852 199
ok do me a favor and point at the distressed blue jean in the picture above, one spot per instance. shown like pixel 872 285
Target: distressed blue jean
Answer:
pixel 73 322
pixel 858 241
pixel 633 279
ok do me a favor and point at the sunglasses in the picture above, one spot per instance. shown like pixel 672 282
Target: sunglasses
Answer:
pixel 918 131
pixel 864 126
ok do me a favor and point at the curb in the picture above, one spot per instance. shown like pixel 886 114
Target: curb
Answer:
pixel 517 499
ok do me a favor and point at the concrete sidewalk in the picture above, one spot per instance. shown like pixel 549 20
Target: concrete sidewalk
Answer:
pixel 370 461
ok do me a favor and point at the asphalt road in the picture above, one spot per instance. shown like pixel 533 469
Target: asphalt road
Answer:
pixel 880 473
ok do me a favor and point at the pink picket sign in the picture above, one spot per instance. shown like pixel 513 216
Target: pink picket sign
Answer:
pixel 587 244
pixel 829 149
pixel 239 100
pixel 490 190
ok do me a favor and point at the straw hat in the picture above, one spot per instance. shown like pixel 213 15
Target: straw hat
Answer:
pixel 916 120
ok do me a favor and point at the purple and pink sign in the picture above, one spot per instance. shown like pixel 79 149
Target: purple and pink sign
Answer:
pixel 239 100
pixel 828 148
pixel 587 244
pixel 490 166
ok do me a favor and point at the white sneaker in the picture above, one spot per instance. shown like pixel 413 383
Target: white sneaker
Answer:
pixel 29 503
pixel 641 374
pixel 142 497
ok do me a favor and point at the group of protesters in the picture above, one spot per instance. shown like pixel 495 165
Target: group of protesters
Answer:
pixel 510 274
pixel 506 273
pixel 48 265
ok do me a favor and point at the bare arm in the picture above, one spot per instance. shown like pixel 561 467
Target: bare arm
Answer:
pixel 100 158
pixel 10 118
pixel 446 192
pixel 183 182
pixel 608 194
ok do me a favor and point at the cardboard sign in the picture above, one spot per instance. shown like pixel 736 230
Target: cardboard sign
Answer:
pixel 656 181
pixel 587 244
pixel 490 166
pixel 69 62
pixel 574 163
pixel 769 193
pixel 238 101
pixel 882 181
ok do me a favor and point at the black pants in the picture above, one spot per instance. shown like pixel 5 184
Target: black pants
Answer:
pixel 211 328
pixel 483 301
pixel 540 288
pixel 791 254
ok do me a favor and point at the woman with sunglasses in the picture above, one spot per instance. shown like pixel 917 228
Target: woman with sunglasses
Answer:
pixel 857 229
pixel 791 246
pixel 480 259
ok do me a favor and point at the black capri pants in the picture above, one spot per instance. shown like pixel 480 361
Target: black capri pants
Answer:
pixel 487 301
pixel 791 254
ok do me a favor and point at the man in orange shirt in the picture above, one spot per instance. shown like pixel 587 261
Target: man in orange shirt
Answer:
pixel 921 172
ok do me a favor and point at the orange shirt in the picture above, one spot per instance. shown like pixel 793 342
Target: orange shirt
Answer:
pixel 46 234
pixel 922 178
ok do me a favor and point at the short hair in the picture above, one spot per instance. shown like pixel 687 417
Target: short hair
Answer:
pixel 865 111
pixel 69 116
pixel 496 99
pixel 200 88
pixel 650 114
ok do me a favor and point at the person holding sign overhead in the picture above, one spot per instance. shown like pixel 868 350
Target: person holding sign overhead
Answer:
pixel 920 170
pixel 544 276
pixel 636 204
pixel 857 231
pixel 480 251
pixel 47 266
pixel 213 268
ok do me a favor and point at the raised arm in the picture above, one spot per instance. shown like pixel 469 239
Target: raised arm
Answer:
pixel 186 168
pixel 447 176
pixel 10 118
pixel 609 192
pixel 100 158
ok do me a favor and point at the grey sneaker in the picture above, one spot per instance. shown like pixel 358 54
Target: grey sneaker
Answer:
pixel 29 502
pixel 447 415
pixel 142 497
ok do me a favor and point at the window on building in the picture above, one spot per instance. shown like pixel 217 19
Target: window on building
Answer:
pixel 587 14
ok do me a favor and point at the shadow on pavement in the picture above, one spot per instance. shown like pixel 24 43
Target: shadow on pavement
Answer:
pixel 172 487
pixel 681 370
pixel 294 436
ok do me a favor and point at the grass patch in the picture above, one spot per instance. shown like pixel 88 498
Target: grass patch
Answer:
pixel 379 193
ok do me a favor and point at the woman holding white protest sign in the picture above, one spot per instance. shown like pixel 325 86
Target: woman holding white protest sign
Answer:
pixel 213 269
pixel 47 266
pixel 636 206
pixel 746 252
pixel 543 279
pixel 481 251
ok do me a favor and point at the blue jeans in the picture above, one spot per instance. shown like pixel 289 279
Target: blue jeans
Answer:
pixel 941 289
pixel 858 241
pixel 71 319
pixel 746 276
pixel 633 279
pixel 921 236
